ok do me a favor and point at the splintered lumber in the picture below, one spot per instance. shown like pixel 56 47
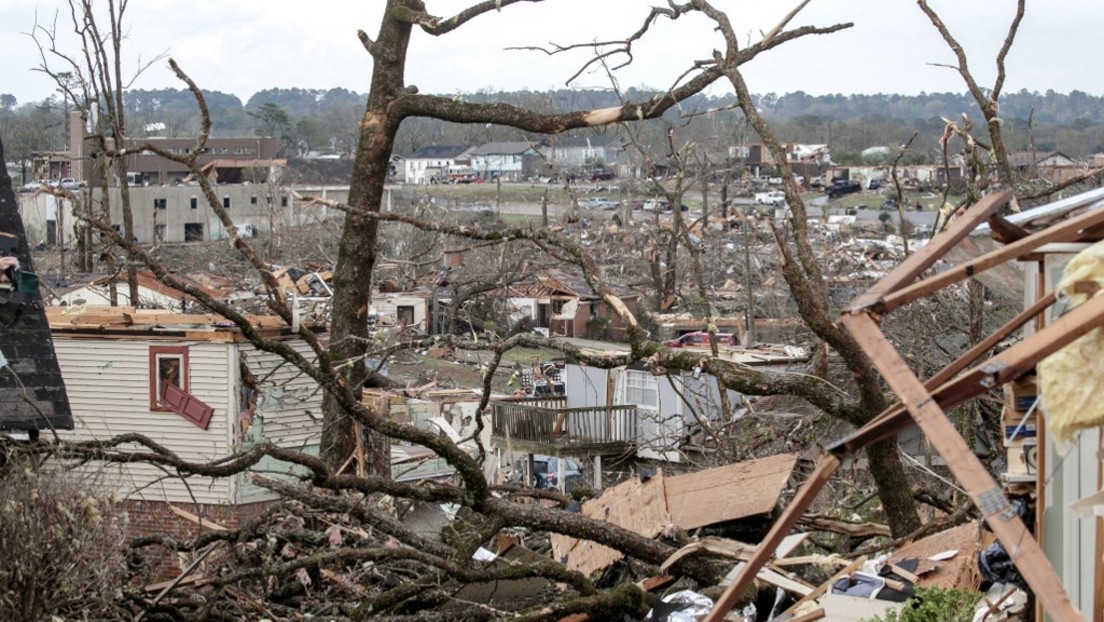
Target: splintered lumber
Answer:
pixel 907 271
pixel 719 546
pixel 960 571
pixel 122 316
pixel 815 614
pixel 986 494
pixel 826 466
pixel 639 506
pixel 202 522
pixel 728 493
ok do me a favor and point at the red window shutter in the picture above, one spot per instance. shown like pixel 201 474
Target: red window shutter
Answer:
pixel 186 405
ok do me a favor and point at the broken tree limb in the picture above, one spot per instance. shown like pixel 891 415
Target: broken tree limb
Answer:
pixel 855 530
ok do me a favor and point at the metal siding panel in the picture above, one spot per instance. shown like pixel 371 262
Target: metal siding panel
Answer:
pixel 287 396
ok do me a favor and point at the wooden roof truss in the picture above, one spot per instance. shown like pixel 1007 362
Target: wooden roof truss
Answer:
pixel 923 403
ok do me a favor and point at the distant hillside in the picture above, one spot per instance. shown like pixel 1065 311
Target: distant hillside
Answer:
pixel 325 121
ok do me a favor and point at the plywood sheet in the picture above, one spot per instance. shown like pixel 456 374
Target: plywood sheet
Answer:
pixel 958 572
pixel 841 608
pixel 638 506
pixel 728 493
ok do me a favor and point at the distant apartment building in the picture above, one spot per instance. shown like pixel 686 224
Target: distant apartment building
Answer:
pixel 223 160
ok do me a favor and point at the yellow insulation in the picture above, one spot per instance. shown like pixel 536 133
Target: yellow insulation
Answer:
pixel 1071 380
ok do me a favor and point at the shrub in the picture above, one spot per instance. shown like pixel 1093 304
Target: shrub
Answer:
pixel 61 545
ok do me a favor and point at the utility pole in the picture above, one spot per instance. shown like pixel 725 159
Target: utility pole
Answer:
pixel 749 315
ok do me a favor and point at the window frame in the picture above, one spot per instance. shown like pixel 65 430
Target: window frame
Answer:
pixel 156 355
pixel 640 383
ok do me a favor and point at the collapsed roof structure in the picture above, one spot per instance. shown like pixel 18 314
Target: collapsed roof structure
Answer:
pixel 925 402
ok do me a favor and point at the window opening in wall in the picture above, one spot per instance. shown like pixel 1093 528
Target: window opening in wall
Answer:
pixel 193 232
pixel 641 389
pixel 194 203
pixel 169 386
pixel 253 200
pixel 160 203
pixel 284 201
pixel 226 201
pixel 168 365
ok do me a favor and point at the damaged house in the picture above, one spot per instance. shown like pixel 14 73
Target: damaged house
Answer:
pixel 194 385
pixel 623 410
pixel 560 303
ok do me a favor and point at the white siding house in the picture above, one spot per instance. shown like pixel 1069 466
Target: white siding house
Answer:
pixel 433 162
pixel 114 377
pixel 504 160
pixel 570 152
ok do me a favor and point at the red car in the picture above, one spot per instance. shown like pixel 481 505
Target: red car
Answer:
pixel 700 339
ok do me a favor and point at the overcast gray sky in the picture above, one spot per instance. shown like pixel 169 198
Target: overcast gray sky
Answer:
pixel 245 46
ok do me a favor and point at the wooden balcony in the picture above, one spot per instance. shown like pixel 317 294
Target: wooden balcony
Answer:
pixel 543 425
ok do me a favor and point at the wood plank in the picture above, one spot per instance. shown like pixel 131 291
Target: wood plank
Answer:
pixel 1067 231
pixel 1022 548
pixel 815 614
pixel 203 522
pixel 638 506
pixel 780 580
pixel 728 493
pixel 1005 367
pixel 959 572
pixel 826 466
pixel 908 270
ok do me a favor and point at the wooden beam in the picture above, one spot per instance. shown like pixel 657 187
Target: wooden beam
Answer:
pixel 826 466
pixel 916 263
pixel 1005 367
pixel 1005 232
pixel 986 494
pixel 1065 232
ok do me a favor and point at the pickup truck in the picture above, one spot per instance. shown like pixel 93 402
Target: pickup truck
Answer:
pixel 840 188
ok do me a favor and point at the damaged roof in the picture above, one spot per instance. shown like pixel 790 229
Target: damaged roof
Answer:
pixel 32 392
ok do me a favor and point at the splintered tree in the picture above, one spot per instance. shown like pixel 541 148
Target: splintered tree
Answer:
pixel 390 102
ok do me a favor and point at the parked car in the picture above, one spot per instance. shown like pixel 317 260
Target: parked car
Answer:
pixel 700 339
pixel 874 184
pixel 889 205
pixel 33 186
pixel 840 188
pixel 547 471
pixel 72 184
pixel 606 204
pixel 655 205
pixel 601 175
pixel 770 198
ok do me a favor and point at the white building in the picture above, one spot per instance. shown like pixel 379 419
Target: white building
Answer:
pixel 434 162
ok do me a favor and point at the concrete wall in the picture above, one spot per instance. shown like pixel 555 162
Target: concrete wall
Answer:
pixel 165 213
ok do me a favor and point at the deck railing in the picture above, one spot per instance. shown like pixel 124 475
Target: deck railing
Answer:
pixel 540 421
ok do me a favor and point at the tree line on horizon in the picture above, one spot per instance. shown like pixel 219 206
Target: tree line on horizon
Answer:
pixel 325 120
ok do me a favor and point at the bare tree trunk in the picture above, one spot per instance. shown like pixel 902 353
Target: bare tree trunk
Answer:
pixel 356 257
